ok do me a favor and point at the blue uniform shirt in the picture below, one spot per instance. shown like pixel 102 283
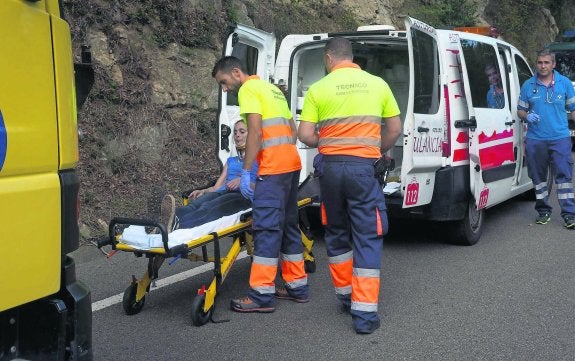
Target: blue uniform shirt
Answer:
pixel 235 165
pixel 550 103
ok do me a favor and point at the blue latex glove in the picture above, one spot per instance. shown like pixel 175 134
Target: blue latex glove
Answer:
pixel 533 118
pixel 246 185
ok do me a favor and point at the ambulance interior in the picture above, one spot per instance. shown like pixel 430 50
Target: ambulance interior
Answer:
pixel 388 61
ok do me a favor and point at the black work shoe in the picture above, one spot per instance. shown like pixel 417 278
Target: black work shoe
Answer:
pixel 283 294
pixel 366 331
pixel 543 218
pixel 569 222
pixel 247 305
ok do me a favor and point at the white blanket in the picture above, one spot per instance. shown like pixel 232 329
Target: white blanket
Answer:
pixel 136 236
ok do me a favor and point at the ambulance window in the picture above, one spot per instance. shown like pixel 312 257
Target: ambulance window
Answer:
pixel 485 80
pixel 426 73
pixel 248 55
pixel 523 69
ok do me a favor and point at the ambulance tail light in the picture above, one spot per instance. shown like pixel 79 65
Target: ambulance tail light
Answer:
pixel 446 143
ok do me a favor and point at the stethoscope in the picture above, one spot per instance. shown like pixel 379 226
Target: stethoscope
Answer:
pixel 548 96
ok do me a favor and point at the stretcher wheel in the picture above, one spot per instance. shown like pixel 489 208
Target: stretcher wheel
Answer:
pixel 131 307
pixel 199 317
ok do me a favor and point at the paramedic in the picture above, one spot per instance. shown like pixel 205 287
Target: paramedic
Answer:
pixel 271 139
pixel 543 102
pixel 348 107
pixel 217 201
pixel 495 95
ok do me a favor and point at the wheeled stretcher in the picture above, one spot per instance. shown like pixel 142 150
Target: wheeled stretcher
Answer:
pixel 191 245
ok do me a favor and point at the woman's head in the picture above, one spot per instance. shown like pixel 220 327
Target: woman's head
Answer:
pixel 240 134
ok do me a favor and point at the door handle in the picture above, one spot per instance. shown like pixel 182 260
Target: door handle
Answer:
pixel 510 123
pixel 466 123
pixel 421 129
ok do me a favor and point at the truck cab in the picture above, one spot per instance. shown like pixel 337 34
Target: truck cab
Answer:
pixel 459 154
pixel 45 313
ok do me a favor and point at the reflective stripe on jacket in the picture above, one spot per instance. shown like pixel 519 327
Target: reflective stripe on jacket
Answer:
pixel 278 153
pixel 348 105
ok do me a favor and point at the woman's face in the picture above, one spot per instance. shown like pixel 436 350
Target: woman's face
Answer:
pixel 240 133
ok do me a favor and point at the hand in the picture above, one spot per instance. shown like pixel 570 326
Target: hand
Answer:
pixel 382 167
pixel 245 185
pixel 533 118
pixel 197 193
pixel 233 185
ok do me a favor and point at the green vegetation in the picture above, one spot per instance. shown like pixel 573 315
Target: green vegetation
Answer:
pixel 447 13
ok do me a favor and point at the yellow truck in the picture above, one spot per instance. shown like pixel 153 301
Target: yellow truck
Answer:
pixel 45 313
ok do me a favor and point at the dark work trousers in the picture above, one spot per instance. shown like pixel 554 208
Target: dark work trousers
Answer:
pixel 276 234
pixel 355 221
pixel 541 153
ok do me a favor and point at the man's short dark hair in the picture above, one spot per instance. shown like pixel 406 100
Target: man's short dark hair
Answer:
pixel 546 52
pixel 226 64
pixel 339 48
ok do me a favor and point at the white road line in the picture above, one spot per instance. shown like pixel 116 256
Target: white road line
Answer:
pixel 110 301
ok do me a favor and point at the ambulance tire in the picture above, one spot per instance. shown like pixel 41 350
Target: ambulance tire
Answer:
pixel 467 231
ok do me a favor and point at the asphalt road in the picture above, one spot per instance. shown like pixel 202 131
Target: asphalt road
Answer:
pixel 509 297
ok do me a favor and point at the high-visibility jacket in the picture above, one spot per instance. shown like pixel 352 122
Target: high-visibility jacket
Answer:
pixel 278 153
pixel 348 104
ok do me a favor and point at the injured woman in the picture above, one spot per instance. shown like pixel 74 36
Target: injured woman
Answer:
pixel 221 199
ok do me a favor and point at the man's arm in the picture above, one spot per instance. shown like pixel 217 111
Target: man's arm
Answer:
pixel 293 130
pixel 307 134
pixel 254 139
pixel 522 114
pixel 392 132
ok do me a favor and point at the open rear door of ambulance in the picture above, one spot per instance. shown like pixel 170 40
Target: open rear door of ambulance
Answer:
pixel 256 49
pixel 492 152
pixel 425 128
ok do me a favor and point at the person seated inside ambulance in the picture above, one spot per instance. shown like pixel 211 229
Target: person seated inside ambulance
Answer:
pixel 495 94
pixel 211 203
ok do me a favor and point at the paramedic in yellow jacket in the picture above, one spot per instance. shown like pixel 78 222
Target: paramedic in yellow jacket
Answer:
pixel 271 140
pixel 342 116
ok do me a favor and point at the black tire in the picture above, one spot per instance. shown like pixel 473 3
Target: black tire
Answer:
pixel 199 317
pixel 131 307
pixel 467 231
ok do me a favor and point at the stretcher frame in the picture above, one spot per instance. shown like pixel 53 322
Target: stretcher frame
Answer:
pixel 203 305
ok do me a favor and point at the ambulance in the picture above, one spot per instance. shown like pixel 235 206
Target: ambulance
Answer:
pixel 45 312
pixel 458 155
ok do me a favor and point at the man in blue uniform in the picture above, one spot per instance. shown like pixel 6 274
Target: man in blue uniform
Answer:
pixel 543 102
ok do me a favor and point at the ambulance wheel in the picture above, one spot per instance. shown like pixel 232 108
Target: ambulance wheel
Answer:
pixel 467 231
pixel 131 307
pixel 199 317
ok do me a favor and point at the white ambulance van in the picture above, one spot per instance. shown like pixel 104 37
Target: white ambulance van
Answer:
pixel 457 156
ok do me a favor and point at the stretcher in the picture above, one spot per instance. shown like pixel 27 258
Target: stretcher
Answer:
pixel 185 244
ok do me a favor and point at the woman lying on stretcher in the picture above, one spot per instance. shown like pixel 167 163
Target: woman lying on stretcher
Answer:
pixel 221 199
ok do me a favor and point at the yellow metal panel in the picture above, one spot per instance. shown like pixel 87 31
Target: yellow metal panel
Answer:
pixel 29 238
pixel 27 99
pixel 65 94
pixel 52 7
pixel 29 185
